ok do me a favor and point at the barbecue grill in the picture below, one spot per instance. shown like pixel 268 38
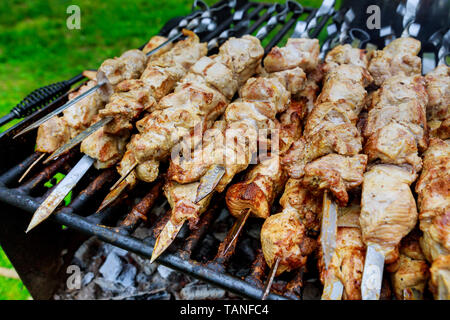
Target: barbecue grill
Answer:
pixel 42 256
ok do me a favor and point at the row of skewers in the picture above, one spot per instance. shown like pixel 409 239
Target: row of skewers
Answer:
pixel 348 137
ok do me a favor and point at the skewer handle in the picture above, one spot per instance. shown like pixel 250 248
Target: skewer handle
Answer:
pixel 39 98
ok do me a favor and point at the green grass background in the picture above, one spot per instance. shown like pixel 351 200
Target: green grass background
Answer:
pixel 36 48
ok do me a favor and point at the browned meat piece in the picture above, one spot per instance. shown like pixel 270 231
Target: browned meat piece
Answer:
pixel 105 148
pixel 438 110
pixel 283 236
pixel 242 56
pixel 335 173
pixel 343 139
pixel 181 198
pixel 154 42
pixel 410 273
pixel 258 190
pixel 438 88
pixel 307 205
pixel 403 100
pixel 399 58
pixel 388 208
pixel 440 278
pixel 347 262
pixel 433 189
pixel 82 114
pixel 128 66
pixel 394 144
pixel 52 134
pixel 345 55
pixel 301 53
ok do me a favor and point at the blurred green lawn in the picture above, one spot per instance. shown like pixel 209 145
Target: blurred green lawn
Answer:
pixel 36 48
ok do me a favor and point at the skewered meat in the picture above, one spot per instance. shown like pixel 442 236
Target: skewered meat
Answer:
pixel 347 262
pixel 128 66
pixel 403 100
pixel 345 55
pixel 335 173
pixel 300 52
pixel 286 235
pixel 438 111
pixel 410 273
pixel 58 130
pixel 258 190
pixel 388 208
pixel 265 181
pixel 194 103
pixel 136 96
pixel 434 204
pixel 398 58
pixel 82 114
pixel 331 126
pixel 52 134
pixel 155 42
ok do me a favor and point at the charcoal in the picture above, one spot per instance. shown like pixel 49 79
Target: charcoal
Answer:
pixel 201 291
pixel 112 267
pixel 109 287
pixel 126 277
pixel 164 272
pixel 87 278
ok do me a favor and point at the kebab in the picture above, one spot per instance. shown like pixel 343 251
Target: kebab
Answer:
pixel 131 99
pixel 333 141
pixel 109 77
pixel 434 206
pixel 200 173
pixel 141 162
pixel 265 181
pixel 411 272
pixel 56 132
pixel 395 132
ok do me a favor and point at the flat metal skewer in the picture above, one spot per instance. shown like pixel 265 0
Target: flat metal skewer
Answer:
pixel 60 192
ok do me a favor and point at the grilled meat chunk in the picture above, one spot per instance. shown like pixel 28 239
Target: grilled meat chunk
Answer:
pixel 345 55
pixel 410 273
pixel 258 190
pixel 438 110
pixel 433 189
pixel 52 134
pixel 398 58
pixel 440 278
pixel 388 208
pixel 347 262
pixel 403 100
pixel 302 52
pixel 336 173
pixel 286 235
